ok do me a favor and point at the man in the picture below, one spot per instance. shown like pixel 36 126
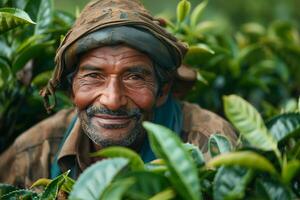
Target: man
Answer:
pixel 118 64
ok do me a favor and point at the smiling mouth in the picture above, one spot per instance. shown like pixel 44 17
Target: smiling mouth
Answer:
pixel 112 122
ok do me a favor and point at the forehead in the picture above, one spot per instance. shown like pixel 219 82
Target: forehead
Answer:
pixel 114 55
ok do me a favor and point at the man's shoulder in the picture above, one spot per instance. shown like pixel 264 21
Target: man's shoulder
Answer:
pixel 28 158
pixel 51 128
pixel 200 123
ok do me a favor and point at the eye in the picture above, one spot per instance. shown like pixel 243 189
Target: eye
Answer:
pixel 136 77
pixel 94 75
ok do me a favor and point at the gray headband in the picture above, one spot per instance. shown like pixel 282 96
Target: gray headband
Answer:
pixel 134 37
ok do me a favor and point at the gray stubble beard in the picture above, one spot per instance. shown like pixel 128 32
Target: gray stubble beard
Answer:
pixel 98 139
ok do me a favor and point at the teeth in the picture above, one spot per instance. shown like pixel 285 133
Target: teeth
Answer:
pixel 112 121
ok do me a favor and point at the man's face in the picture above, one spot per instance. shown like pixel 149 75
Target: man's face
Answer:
pixel 114 90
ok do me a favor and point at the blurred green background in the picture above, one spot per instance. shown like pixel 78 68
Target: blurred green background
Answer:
pixel 234 12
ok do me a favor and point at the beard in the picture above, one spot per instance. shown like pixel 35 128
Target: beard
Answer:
pixel 100 139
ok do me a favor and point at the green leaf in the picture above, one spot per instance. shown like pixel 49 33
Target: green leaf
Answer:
pixel 166 195
pixel 6 49
pixel 44 17
pixel 218 144
pixel 20 194
pixel 51 191
pixel 30 41
pixel 295 151
pixel 168 146
pixel 196 154
pixel 298 104
pixel 95 179
pixel 231 182
pixel 30 53
pixel 254 29
pixel 6 188
pixel 290 170
pixel 13 17
pixel 21 4
pixel 249 123
pixel 198 52
pixel 183 9
pixel 42 79
pixel 284 126
pixel 135 161
pixel 206 27
pixel 159 168
pixel 3 3
pixel 271 189
pixel 247 159
pixel 201 78
pixel 146 184
pixel 117 189
pixel 68 184
pixel 65 19
pixel 41 182
pixel 197 12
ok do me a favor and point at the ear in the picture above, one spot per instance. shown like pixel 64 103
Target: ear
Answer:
pixel 162 98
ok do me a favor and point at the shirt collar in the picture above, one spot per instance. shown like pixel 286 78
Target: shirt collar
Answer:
pixel 75 150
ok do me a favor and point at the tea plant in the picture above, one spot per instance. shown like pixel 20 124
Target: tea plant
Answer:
pixel 265 164
pixel 30 33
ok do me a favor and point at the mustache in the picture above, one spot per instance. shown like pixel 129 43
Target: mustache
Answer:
pixel 93 110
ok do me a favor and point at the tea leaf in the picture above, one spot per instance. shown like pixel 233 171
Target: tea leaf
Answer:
pixel 249 123
pixel 197 12
pixel 146 184
pixel 51 191
pixel 6 188
pixel 117 189
pixel 166 195
pixel 21 194
pixel 218 144
pixel 41 182
pixel 284 126
pixel 247 159
pixel 44 17
pixel 267 188
pixel 13 17
pixel 183 9
pixel 196 154
pixel 95 179
pixel 231 182
pixel 168 146
pixel 135 160
pixel 289 170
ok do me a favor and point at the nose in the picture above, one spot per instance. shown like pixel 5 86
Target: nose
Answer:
pixel 112 96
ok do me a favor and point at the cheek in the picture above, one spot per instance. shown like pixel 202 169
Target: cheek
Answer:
pixel 144 99
pixel 82 99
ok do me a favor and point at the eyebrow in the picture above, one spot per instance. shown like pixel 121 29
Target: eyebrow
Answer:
pixel 90 68
pixel 139 69
pixel 133 69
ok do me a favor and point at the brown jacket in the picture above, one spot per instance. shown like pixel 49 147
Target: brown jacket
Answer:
pixel 31 155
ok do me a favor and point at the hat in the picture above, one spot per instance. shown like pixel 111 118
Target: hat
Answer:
pixel 102 18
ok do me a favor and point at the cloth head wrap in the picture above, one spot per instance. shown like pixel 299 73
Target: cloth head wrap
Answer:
pixel 99 24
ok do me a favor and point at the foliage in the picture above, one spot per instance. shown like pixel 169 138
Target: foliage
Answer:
pixel 257 62
pixel 26 56
pixel 260 63
pixel 247 171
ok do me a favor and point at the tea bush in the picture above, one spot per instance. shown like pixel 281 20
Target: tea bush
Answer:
pixel 265 164
pixel 258 63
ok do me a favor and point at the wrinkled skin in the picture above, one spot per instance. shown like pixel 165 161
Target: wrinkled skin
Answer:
pixel 114 90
